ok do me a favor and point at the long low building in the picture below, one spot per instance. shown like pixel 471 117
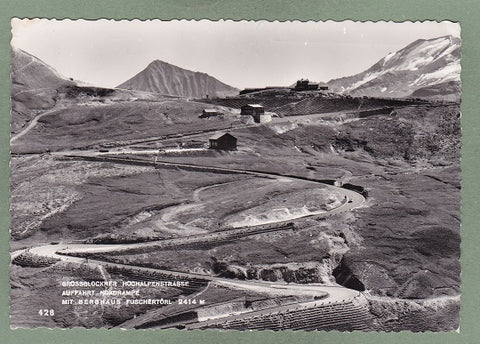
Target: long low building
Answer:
pixel 210 113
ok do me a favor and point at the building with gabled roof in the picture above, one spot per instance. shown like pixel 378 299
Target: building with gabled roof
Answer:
pixel 223 141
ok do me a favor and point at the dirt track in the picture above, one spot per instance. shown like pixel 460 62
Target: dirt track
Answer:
pixel 32 124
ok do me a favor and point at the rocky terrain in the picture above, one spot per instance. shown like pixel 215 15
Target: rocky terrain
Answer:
pixel 164 78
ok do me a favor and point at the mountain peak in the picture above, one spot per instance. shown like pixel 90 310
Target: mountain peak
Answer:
pixel 165 78
pixel 159 63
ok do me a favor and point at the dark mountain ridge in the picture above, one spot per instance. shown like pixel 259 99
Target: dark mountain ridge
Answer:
pixel 165 78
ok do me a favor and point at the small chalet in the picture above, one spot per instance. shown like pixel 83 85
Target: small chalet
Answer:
pixel 223 142
pixel 207 113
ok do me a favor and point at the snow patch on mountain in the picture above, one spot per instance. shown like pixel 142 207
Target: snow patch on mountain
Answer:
pixel 388 57
pixel 421 64
pixel 448 73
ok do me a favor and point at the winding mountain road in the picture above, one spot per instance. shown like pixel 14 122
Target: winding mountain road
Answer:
pixel 351 201
pixel 68 252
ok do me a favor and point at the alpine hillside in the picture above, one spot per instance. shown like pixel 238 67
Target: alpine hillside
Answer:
pixel 34 87
pixel 164 78
pixel 425 68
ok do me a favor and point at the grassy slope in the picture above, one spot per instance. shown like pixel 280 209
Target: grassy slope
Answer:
pixel 79 126
pixel 408 234
pixel 411 231
pixel 55 186
pixel 411 237
pixel 34 88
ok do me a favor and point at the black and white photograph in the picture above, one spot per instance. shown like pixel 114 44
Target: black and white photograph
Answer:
pixel 235 175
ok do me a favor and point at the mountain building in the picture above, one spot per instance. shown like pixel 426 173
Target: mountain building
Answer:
pixel 305 85
pixel 254 110
pixel 207 113
pixel 223 142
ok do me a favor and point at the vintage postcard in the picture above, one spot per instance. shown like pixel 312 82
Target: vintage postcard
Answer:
pixel 245 175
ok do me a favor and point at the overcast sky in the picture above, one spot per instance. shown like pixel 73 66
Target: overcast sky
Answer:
pixel 241 54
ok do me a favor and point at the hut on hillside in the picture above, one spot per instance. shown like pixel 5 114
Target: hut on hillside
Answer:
pixel 207 113
pixel 223 142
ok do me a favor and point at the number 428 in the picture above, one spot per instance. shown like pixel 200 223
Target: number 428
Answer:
pixel 46 312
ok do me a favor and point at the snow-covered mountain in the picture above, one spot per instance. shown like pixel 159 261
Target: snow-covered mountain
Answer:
pixel 424 68
pixel 165 78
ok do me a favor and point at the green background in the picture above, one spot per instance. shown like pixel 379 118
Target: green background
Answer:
pixel 464 11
